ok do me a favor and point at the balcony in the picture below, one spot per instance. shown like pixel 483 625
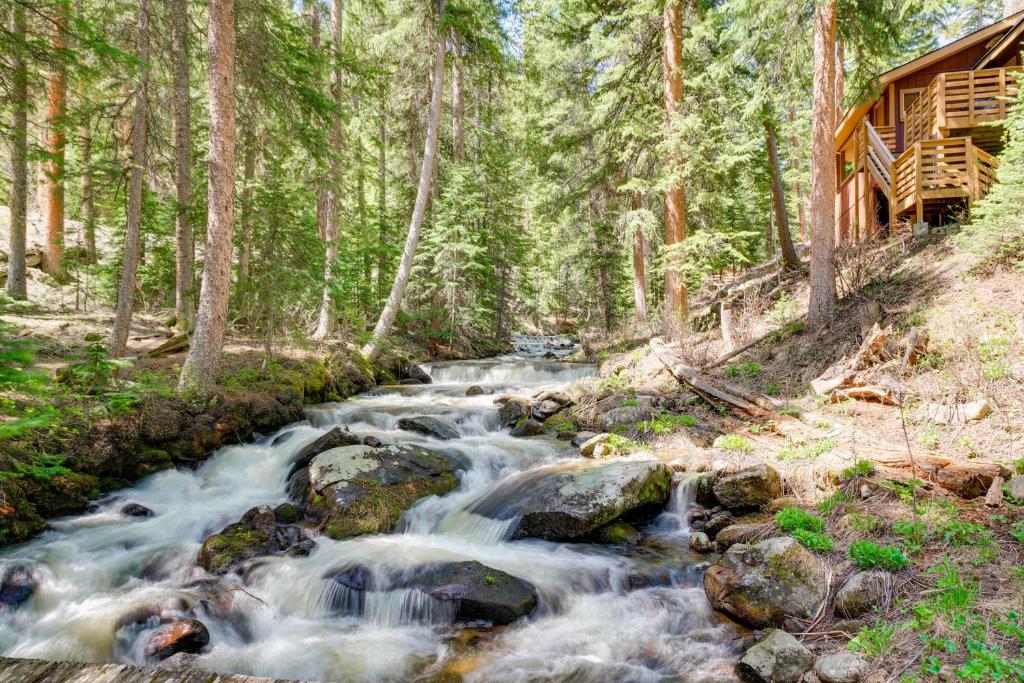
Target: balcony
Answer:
pixel 945 170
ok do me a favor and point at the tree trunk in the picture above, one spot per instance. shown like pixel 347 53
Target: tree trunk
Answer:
pixel 794 163
pixel 325 319
pixel 821 309
pixel 136 181
pixel 789 258
pixel 382 199
pixel 184 303
pixel 639 269
pixel 53 256
pixel 16 286
pixel 675 198
pixel 200 368
pixel 387 316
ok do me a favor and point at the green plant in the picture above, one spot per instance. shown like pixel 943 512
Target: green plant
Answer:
pixel 913 532
pixel 665 423
pixel 1018 466
pixel 806 451
pixel 874 641
pixel 862 523
pixel 830 504
pixel 772 389
pixel 734 442
pixel 869 555
pixel 813 541
pixel 96 372
pixel 929 437
pixel 783 310
pixel 861 468
pixel 791 519
pixel 904 490
pixel 1017 531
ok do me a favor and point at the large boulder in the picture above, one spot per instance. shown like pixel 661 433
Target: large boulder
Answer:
pixel 542 410
pixel 573 499
pixel 862 592
pixel 429 426
pixel 512 411
pixel 335 438
pixel 470 590
pixel 413 371
pixel 762 584
pixel 258 533
pixel 843 667
pixel 626 416
pixel 364 490
pixel 779 658
pixel 187 635
pixel 17 584
pixel 752 487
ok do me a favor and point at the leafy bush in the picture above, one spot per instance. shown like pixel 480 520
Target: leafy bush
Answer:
pixel 791 519
pixel 861 468
pixel 665 423
pixel 874 641
pixel 913 532
pixel 813 541
pixel 869 555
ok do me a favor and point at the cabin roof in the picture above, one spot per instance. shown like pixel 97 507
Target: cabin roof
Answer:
pixel 1012 25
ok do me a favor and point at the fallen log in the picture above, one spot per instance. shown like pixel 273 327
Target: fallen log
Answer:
pixel 701 385
pixel 178 342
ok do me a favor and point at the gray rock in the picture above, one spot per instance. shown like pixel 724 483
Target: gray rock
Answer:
pixel 17 584
pixel 738 533
pixel 414 371
pixel 337 437
pixel 862 592
pixel 429 426
pixel 581 438
pixel 542 410
pixel 762 584
pixel 513 410
pixel 588 447
pixel 136 510
pixel 717 522
pixel 1015 488
pixel 700 543
pixel 704 488
pixel 573 499
pixel 752 487
pixel 364 490
pixel 779 658
pixel 559 397
pixel 844 667
pixel 475 390
pixel 528 427
pixel 626 416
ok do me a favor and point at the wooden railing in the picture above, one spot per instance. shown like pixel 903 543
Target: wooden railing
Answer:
pixel 958 100
pixel 950 168
pixel 888 136
pixel 873 154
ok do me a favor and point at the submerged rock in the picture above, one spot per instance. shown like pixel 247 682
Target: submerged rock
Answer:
pixel 779 658
pixel 569 500
pixel 762 584
pixel 475 390
pixel 136 510
pixel 752 487
pixel 17 584
pixel 187 635
pixel 363 490
pixel 429 426
pixel 617 533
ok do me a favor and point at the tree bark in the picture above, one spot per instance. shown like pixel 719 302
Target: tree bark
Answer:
pixel 387 316
pixel 675 197
pixel 136 181
pixel 199 370
pixel 382 199
pixel 53 255
pixel 821 308
pixel 185 254
pixel 325 319
pixel 639 277
pixel 16 285
pixel 789 258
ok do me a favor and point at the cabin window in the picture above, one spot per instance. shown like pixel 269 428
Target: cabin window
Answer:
pixel 907 98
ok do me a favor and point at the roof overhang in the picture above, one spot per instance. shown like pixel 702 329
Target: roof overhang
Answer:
pixel 854 115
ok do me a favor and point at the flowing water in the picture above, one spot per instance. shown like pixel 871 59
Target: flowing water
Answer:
pixel 106 578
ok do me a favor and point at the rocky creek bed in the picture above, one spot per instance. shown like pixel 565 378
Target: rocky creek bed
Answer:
pixel 462 529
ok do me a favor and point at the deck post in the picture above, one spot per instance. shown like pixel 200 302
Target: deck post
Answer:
pixel 940 105
pixel 972 173
pixel 918 184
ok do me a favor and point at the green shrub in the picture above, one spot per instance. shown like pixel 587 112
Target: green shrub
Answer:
pixel 861 468
pixel 791 519
pixel 869 555
pixel 813 541
pixel 734 442
pixel 874 641
pixel 827 506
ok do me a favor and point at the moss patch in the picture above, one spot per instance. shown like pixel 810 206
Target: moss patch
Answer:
pixel 382 505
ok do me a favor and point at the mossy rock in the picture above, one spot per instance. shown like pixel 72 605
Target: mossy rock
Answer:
pixel 558 423
pixel 617 533
pixel 252 536
pixel 379 510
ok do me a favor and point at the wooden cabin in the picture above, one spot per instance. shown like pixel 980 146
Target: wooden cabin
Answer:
pixel 923 149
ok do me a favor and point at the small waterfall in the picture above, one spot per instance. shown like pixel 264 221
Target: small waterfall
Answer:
pixel 515 371
pixel 674 519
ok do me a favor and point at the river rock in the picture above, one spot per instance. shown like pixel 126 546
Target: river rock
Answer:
pixel 700 543
pixel 617 533
pixel 844 667
pixel 560 424
pixel 364 490
pixel 414 371
pixel 475 390
pixel 559 397
pixel 588 447
pixel 739 533
pixel 581 438
pixel 569 500
pixel 476 591
pixel 337 437
pixel 17 584
pixel 136 510
pixel 717 522
pixel 542 410
pixel 254 535
pixel 528 427
pixel 752 487
pixel 762 584
pixel 512 411
pixel 779 658
pixel 626 416
pixel 704 488
pixel 862 592
pixel 429 426
pixel 187 635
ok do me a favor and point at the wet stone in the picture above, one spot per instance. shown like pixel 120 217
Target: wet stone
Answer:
pixel 136 510
pixel 187 635
pixel 17 584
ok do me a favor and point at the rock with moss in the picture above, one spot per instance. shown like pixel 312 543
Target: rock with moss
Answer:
pixel 559 423
pixel 429 426
pixel 512 411
pixel 574 499
pixel 335 438
pixel 779 658
pixel 617 533
pixel 753 487
pixel 255 535
pixel 763 584
pixel 359 489
pixel 527 427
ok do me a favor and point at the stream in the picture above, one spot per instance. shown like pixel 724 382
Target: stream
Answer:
pixel 100 571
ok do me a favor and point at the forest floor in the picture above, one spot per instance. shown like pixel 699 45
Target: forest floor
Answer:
pixel 953 612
